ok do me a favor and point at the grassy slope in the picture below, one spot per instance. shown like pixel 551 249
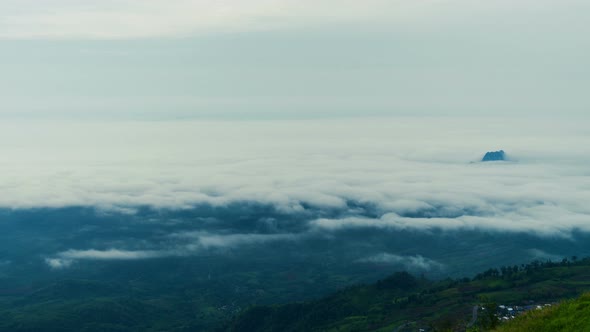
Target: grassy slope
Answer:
pixel 572 315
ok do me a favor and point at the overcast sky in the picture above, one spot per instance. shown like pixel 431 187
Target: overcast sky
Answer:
pixel 162 59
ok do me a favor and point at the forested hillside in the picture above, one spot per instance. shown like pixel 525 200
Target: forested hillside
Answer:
pixel 404 302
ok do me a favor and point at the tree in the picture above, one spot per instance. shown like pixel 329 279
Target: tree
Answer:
pixel 488 319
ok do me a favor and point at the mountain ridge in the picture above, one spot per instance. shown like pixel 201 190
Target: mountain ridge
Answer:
pixel 403 302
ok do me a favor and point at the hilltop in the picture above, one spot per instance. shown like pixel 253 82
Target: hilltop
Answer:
pixel 569 316
pixel 494 156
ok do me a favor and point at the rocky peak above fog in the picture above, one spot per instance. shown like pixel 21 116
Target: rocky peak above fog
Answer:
pixel 494 156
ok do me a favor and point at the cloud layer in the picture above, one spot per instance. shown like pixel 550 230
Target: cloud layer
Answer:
pixel 157 18
pixel 66 258
pixel 185 243
pixel 410 263
pixel 411 173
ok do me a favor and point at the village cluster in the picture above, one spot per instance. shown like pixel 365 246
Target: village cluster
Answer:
pixel 505 313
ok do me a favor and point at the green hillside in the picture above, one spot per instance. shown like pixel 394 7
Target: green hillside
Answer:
pixel 571 315
pixel 406 303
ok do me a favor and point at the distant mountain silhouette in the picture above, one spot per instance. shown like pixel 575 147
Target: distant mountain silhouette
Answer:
pixel 494 156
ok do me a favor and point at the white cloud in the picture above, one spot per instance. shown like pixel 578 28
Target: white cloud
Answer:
pixel 154 18
pixel 206 240
pixel 110 254
pixel 543 255
pixel 412 263
pixel 58 263
pixel 189 243
pixel 65 259
pixel 539 219
pixel 414 171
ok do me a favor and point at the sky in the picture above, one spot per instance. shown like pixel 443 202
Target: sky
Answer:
pixel 284 59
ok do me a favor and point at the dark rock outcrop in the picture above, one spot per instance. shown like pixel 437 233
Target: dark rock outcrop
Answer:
pixel 494 156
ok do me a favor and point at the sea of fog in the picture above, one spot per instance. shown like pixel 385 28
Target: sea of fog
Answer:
pixel 356 196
